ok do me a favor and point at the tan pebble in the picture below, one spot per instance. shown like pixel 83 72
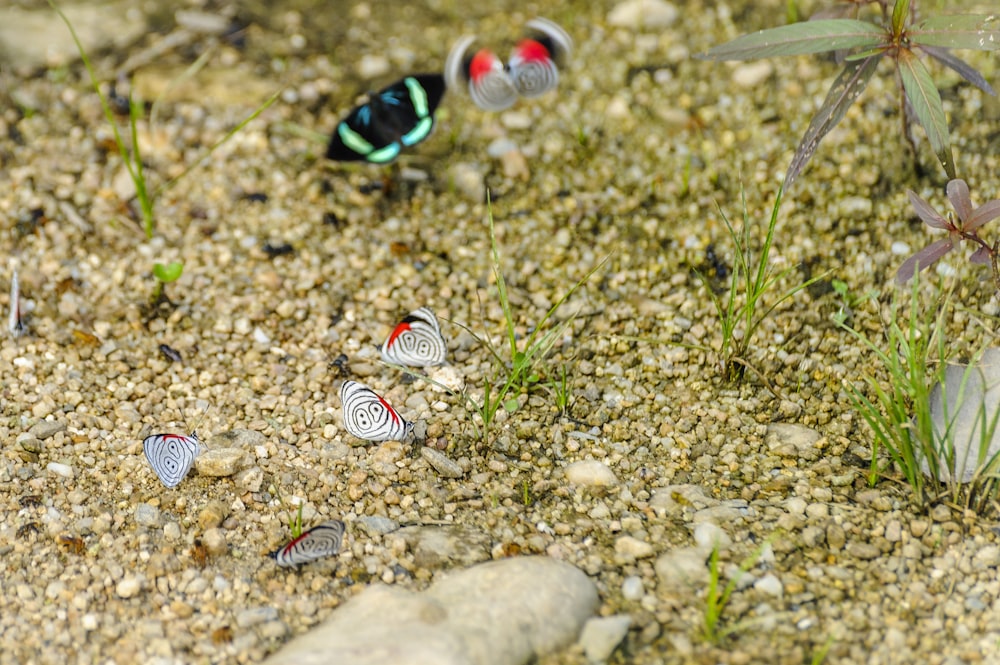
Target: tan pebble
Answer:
pixel 918 528
pixel 220 463
pixel 835 537
pixel 181 609
pixel 515 165
pixel 215 541
pixel 633 547
pixel 389 452
pixel 212 515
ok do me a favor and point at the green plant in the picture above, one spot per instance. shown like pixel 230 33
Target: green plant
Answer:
pixel 295 521
pixel 868 43
pixel 133 162
pixel 915 415
pixel 717 598
pixel 742 310
pixel 165 274
pixel 848 301
pixel 521 372
pixel 560 389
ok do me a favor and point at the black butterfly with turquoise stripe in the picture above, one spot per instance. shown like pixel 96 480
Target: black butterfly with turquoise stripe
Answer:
pixel 395 117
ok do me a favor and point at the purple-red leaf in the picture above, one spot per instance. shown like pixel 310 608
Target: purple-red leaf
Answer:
pixel 961 200
pixel 923 258
pixel 984 213
pixel 981 255
pixel 929 215
pixel 964 69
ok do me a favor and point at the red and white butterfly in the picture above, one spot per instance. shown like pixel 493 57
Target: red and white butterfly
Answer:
pixel 171 455
pixel 416 341
pixel 318 542
pixel 531 70
pixel 368 416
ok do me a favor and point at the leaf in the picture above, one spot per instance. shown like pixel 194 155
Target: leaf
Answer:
pixel 961 200
pixel 927 213
pixel 964 69
pixel 800 39
pixel 844 91
pixel 926 103
pixel 168 273
pixel 984 213
pixel 923 258
pixel 975 31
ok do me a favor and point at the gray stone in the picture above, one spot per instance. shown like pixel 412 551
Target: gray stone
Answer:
pixel 147 515
pixel 256 615
pixel 238 438
pixel 602 635
pixel 788 440
pixel 376 525
pixel 505 612
pixel 443 546
pixel 682 569
pixel 441 463
pixel 973 395
pixel 47 428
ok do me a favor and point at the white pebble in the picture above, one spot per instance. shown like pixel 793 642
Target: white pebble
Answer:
pixel 591 473
pixel 900 248
pixel 637 14
pixel 770 585
pixel 129 586
pixel 64 470
pixel 632 588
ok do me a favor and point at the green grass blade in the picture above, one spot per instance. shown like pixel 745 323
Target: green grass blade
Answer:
pixel 845 91
pixel 145 202
pixel 973 31
pixel 926 102
pixel 800 39
pixel 230 134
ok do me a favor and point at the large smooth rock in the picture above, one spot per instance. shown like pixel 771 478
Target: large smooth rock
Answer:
pixel 504 612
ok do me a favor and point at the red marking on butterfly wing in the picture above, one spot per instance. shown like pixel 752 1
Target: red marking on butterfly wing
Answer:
pixel 397 331
pixel 482 63
pixel 392 411
pixel 530 50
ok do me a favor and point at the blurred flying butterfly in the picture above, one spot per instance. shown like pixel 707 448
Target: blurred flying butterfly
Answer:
pixel 318 542
pixel 368 416
pixel 395 117
pixel 14 323
pixel 531 70
pixel 171 455
pixel 416 341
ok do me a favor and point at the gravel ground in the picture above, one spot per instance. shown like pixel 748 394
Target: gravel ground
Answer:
pixel 656 456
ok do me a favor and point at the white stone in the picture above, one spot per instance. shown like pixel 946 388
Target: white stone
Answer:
pixel 770 585
pixel 602 635
pixel 632 588
pixel 591 473
pixel 633 547
pixel 640 14
pixel 129 586
pixel 64 470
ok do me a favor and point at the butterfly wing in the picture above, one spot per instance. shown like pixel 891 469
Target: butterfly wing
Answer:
pixel 416 341
pixel 399 115
pixel 171 455
pixel 368 416
pixel 532 65
pixel 318 542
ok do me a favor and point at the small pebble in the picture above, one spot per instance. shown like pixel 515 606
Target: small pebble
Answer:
pixel 602 635
pixel 214 541
pixel 64 470
pixel 129 586
pixel 633 547
pixel 632 588
pixel 441 463
pixel 219 463
pixel 147 515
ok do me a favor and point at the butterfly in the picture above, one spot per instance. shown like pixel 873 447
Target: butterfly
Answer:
pixel 416 341
pixel 171 455
pixel 531 70
pixel 320 541
pixel 395 117
pixel 14 323
pixel 368 416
